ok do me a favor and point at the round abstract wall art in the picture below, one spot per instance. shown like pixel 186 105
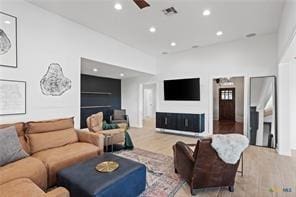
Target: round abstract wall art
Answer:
pixel 8 40
pixel 54 82
pixel 5 44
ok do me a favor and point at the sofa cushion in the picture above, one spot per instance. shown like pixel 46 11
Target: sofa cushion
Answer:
pixel 20 128
pixel 59 158
pixel 49 125
pixel 20 187
pixel 43 135
pixel 25 187
pixel 29 167
pixel 43 141
pixel 10 147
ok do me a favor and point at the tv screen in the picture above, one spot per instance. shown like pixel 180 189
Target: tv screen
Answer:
pixel 182 90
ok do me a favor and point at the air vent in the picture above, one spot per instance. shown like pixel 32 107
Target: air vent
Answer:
pixel 170 11
pixel 251 35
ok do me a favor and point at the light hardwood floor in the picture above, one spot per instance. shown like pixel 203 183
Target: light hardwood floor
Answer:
pixel 264 169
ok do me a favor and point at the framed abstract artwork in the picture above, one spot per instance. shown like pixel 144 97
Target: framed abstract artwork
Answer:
pixel 8 40
pixel 12 97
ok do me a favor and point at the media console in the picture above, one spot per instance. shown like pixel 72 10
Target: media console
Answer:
pixel 181 123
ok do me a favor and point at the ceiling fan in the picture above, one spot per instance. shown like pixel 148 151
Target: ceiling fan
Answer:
pixel 141 3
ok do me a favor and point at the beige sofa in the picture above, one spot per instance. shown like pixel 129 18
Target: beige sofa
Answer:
pixel 52 146
pixel 25 187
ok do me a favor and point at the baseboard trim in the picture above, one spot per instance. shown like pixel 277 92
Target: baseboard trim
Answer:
pixel 284 153
pixel 185 133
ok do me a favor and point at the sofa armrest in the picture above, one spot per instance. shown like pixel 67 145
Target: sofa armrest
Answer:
pixel 58 192
pixel 96 139
pixel 123 126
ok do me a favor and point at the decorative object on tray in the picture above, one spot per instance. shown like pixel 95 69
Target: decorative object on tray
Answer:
pixel 12 97
pixel 8 40
pixel 161 178
pixel 54 82
pixel 107 166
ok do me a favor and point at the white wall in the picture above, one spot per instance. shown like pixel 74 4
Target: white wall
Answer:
pixel 247 57
pixel 292 90
pixel 239 98
pixel 283 110
pixel 293 103
pixel 44 38
pixel 287 75
pixel 287 28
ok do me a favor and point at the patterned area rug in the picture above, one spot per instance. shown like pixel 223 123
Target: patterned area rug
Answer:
pixel 162 180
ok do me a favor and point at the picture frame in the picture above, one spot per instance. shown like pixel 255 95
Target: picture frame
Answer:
pixel 12 97
pixel 8 40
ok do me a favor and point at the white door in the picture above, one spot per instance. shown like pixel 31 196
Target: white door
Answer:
pixel 148 103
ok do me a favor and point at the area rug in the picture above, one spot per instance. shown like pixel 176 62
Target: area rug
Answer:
pixel 162 180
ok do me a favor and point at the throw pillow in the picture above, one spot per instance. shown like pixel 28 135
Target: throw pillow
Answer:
pixel 107 126
pixel 10 147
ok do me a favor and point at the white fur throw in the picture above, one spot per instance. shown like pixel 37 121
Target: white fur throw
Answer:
pixel 229 146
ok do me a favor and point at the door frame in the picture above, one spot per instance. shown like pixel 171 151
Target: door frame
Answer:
pixel 210 118
pixel 141 101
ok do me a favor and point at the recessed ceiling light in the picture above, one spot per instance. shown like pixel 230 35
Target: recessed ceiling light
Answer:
pixel 122 74
pixel 95 70
pixel 152 29
pixel 164 53
pixel 195 46
pixel 219 33
pixel 206 12
pixel 173 44
pixel 251 35
pixel 118 6
pixel 7 22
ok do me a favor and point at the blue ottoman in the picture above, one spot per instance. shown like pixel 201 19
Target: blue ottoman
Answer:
pixel 82 179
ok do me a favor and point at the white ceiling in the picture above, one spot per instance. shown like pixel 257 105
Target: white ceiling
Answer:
pixel 107 70
pixel 189 27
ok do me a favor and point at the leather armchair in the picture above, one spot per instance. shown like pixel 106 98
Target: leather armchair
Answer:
pixel 202 167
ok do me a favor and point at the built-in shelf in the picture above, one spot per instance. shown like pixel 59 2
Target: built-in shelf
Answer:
pixel 103 93
pixel 96 106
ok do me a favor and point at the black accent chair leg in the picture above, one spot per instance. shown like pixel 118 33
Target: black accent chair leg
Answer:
pixel 194 192
pixel 231 188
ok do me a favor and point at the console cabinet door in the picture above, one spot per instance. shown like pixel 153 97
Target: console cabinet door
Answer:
pixel 185 122
pixel 171 121
pixel 160 120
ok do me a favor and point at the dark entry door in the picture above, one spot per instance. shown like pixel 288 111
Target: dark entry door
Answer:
pixel 227 104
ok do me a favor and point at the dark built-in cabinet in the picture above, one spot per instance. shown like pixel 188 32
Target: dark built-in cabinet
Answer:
pixel 98 94
pixel 181 122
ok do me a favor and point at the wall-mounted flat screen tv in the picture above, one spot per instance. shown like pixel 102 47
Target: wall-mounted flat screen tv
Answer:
pixel 182 90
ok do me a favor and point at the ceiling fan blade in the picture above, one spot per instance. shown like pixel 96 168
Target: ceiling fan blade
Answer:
pixel 141 3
